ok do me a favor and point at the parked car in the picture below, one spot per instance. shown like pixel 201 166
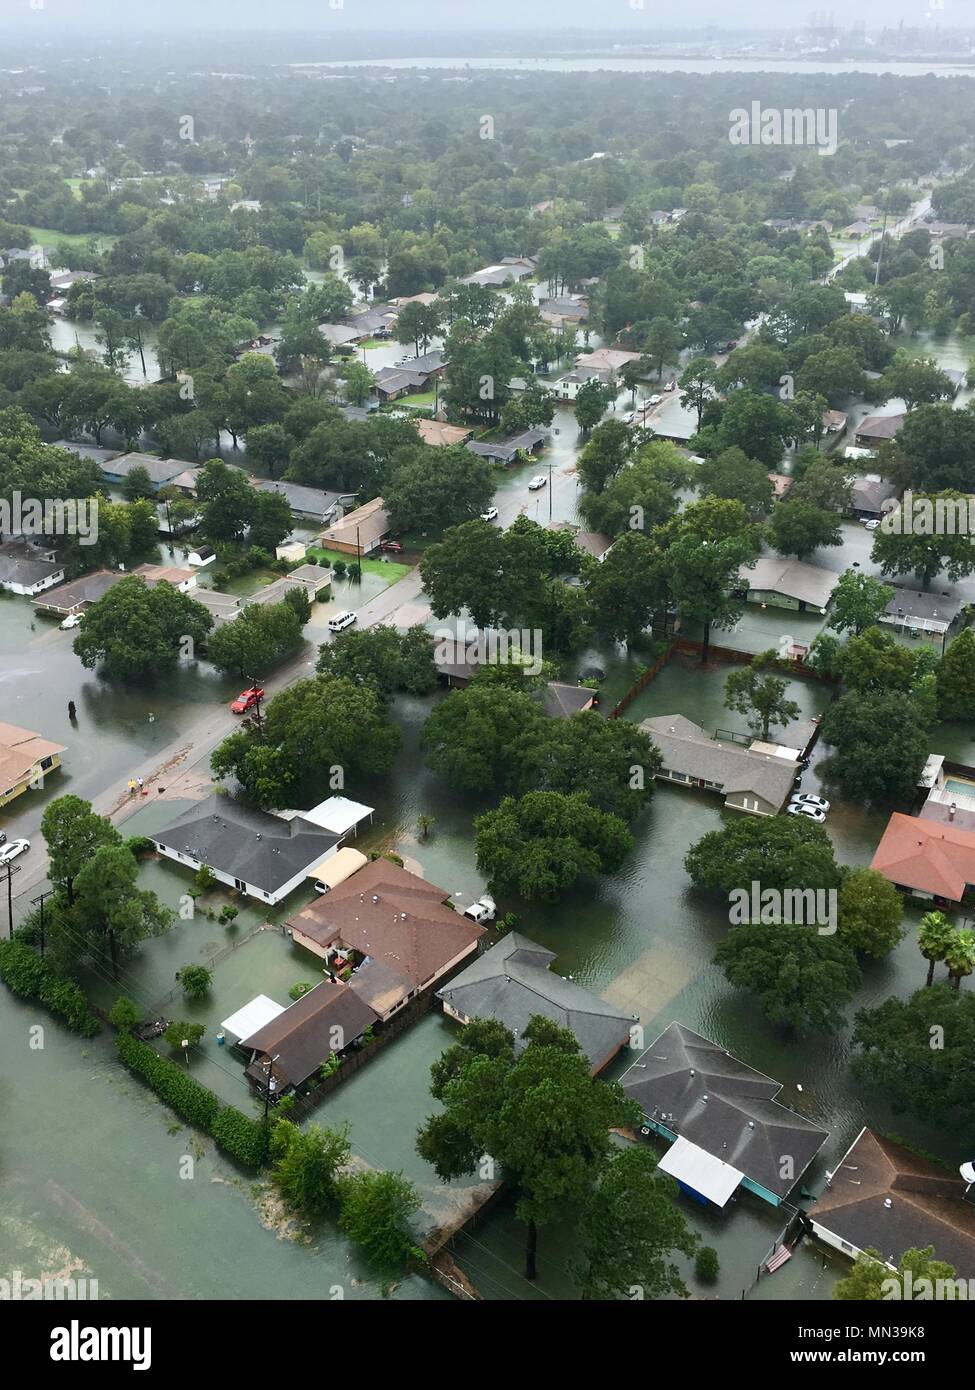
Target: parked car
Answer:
pixel 321 887
pixel 13 849
pixel 671 384
pixel 341 621
pixel 809 799
pixel 3 837
pixel 796 808
pixel 72 620
pixel 490 515
pixel 394 547
pixel 538 481
pixel 483 910
pixel 247 699
pixel 872 524
pixel 654 400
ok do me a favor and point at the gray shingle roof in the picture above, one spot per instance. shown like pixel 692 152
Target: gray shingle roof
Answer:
pixel 685 747
pixel 792 578
pixel 512 982
pixel 739 1122
pixel 309 501
pixel 252 846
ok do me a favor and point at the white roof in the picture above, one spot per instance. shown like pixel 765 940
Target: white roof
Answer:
pixel 338 814
pixel 338 866
pixel 251 1017
pixel 710 1176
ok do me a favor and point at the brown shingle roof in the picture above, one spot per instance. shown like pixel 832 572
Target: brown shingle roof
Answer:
pixel 305 1035
pixel 393 916
pixel 926 1205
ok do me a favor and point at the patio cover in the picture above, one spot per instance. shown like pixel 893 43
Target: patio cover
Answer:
pixel 251 1017
pixel 338 814
pixel 701 1171
pixel 337 868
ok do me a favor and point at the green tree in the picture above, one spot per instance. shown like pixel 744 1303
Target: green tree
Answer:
pixel 195 981
pixel 960 957
pixel 110 910
pixel 734 475
pixel 137 483
pixel 879 746
pixel 73 832
pixel 541 844
pixel 801 979
pixel 698 385
pixel 133 632
pixel 496 1103
pixel 902 545
pixel 382 658
pixel 262 637
pixel 870 1279
pixel 858 601
pixel 271 520
pixel 895 1055
pixel 592 401
pixel 376 1211
pixel 870 912
pixel 470 736
pixel 798 528
pixel 935 937
pixel 269 446
pixel 779 852
pixel 306 1164
pixel 228 501
pixel 436 488
pixel 630 1229
pixel 627 589
pixel 357 382
pixel 758 693
pixel 956 678
pixel 707 545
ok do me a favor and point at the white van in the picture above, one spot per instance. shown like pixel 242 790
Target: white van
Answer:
pixel 341 621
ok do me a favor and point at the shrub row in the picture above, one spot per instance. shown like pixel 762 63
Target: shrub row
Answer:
pixel 237 1134
pixel 27 975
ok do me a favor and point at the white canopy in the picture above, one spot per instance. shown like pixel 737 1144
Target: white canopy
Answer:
pixel 338 814
pixel 701 1171
pixel 251 1017
pixel 338 867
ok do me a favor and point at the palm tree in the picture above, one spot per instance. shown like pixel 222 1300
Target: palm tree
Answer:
pixel 424 824
pixel 960 957
pixel 934 938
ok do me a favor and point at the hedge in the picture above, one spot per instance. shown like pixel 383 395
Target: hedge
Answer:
pixel 27 975
pixel 237 1134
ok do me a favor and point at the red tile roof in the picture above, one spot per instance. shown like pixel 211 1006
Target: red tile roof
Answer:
pixel 927 855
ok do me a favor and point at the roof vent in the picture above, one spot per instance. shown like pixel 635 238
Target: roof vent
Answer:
pixel 888 1203
pixel 704 1100
pixel 375 897
pixel 693 1072
pixel 751 1124
pixel 258 837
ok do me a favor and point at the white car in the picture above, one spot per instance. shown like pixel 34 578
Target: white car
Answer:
pixel 671 385
pixel 13 849
pixel 809 799
pixel 72 620
pixel 483 910
pixel 341 621
pixel 655 400
pixel 490 515
pixel 538 481
pixel 872 524
pixel 810 812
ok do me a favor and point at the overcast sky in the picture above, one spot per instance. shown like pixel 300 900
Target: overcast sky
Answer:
pixel 395 15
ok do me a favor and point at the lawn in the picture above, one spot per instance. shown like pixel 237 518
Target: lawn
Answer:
pixel 47 236
pixel 390 570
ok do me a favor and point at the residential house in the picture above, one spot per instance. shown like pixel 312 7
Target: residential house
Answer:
pixel 870 493
pixel 201 556
pixel 223 608
pixel 291 1047
pixel 291 550
pixel 562 701
pixel 915 611
pixel 25 758
pixel 160 471
pixel 857 230
pixel 339 334
pixel 440 435
pixel 261 855
pixel 358 532
pixel 79 593
pixel 726 1129
pixel 606 359
pixel 508 451
pixel 91 452
pixel 927 858
pixel 877 429
pixel 568 386
pixel 754 781
pixel 787 583
pixel 311 579
pixel 884 1197
pixel 311 503
pixel 510 271
pixel 513 982
pixel 28 569
pixel 834 421
pixel 391 929
pixel 180 579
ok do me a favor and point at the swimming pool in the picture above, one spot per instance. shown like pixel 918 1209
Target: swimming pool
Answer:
pixel 959 787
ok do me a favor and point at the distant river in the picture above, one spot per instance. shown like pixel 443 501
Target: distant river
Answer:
pixel 637 65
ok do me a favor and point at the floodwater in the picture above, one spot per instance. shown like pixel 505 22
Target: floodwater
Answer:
pixel 92 1162
pixel 640 65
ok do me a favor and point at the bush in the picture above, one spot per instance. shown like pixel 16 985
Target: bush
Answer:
pixel 205 878
pixel 706 1265
pixel 338 567
pixel 355 572
pixel 296 991
pixel 170 1082
pixel 229 914
pixel 140 844
pixel 29 977
pixel 179 1032
pixel 240 1136
pixel 124 1015
pixel 195 980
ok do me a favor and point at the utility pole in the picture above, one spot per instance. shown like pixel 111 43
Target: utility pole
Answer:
pixel 42 898
pixel 269 1087
pixel 883 234
pixel 550 489
pixel 257 685
pixel 11 870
